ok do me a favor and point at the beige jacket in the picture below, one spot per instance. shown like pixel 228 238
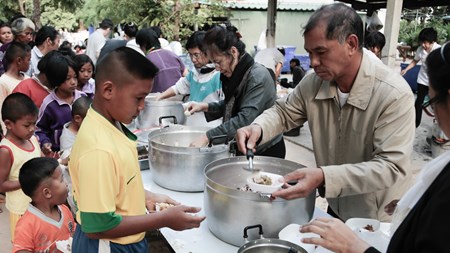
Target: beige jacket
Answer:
pixel 364 147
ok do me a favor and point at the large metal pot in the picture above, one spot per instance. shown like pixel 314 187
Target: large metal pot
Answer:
pixel 230 209
pixel 174 164
pixel 154 110
pixel 267 245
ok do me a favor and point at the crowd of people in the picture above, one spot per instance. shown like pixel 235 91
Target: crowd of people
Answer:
pixel 65 118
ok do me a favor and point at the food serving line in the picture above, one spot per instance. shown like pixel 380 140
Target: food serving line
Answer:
pixel 198 240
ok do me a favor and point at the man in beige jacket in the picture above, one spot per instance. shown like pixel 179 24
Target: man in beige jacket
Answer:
pixel 361 117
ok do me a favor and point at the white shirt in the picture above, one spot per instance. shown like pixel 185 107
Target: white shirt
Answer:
pixel 421 55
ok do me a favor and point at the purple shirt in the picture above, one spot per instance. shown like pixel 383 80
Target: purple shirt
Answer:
pixel 170 67
pixel 3 49
pixel 53 114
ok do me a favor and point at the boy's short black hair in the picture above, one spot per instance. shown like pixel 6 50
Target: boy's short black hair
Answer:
pixel 428 34
pixel 18 105
pixel 15 50
pixel 57 69
pixel 34 171
pixel 122 62
pixel 81 106
pixel 375 39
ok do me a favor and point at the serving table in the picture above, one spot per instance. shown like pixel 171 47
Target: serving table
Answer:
pixel 198 240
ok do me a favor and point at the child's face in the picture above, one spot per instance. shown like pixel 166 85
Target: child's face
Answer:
pixel 85 73
pixel 24 64
pixel 5 35
pixel 129 100
pixel 23 128
pixel 69 86
pixel 58 187
pixel 427 45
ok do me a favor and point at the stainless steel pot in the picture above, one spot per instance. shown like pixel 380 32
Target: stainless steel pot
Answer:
pixel 267 245
pixel 229 209
pixel 174 164
pixel 154 110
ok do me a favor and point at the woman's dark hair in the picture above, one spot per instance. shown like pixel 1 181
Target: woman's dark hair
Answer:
pixel 34 171
pixel 130 30
pixel 18 105
pixel 196 40
pixel 341 21
pixel 57 70
pixel 66 51
pixel 42 64
pixel 428 34
pixel 438 62
pixel 223 39
pixel 82 59
pixel 157 30
pixel 44 33
pixel 147 38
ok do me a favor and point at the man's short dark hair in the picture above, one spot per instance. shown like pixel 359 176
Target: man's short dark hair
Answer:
pixel 122 62
pixel 18 105
pixel 341 21
pixel 34 172
pixel 428 34
pixel 44 33
pixel 375 39
pixel 106 23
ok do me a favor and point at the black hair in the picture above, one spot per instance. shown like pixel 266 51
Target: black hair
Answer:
pixel 18 105
pixel 223 38
pixel 196 40
pixel 42 64
pixel 438 63
pixel 77 46
pixel 81 106
pixel 282 50
pixel 375 39
pixel 341 21
pixel 34 172
pixel 297 61
pixel 66 51
pixel 157 30
pixel 124 60
pixel 130 30
pixel 44 33
pixel 428 34
pixel 148 39
pixel 15 50
pixel 82 59
pixel 57 70
pixel 106 23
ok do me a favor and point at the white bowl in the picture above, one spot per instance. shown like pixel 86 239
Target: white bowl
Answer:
pixel 275 186
pixel 361 224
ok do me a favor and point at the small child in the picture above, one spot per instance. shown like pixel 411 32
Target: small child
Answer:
pixel 19 145
pixel 47 220
pixel 85 70
pixel 70 130
pixel 17 57
pixel 113 213
pixel 56 109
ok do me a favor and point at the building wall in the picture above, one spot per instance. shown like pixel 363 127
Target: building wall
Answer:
pixel 289 27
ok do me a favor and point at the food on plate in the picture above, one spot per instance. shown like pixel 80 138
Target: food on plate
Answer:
pixel 162 206
pixel 262 179
pixel 369 228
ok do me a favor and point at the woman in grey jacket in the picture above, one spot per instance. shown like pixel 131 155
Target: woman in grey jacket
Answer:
pixel 248 89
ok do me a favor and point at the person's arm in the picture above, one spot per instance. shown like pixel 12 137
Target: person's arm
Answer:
pixel 43 129
pixel 170 92
pixel 335 236
pixel 5 168
pixel 410 66
pixel 278 68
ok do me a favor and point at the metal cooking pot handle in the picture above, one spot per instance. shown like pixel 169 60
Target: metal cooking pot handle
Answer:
pixel 259 226
pixel 168 117
pixel 211 142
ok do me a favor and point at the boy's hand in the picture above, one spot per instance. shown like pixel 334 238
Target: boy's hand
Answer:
pixel 181 217
pixel 47 149
pixel 152 198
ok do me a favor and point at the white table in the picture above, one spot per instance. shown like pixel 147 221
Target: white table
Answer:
pixel 199 240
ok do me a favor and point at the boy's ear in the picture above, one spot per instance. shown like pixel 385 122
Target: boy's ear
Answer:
pixel 8 124
pixel 77 118
pixel 47 192
pixel 107 90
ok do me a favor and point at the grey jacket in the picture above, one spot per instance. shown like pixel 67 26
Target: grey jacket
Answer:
pixel 258 94
pixel 364 147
